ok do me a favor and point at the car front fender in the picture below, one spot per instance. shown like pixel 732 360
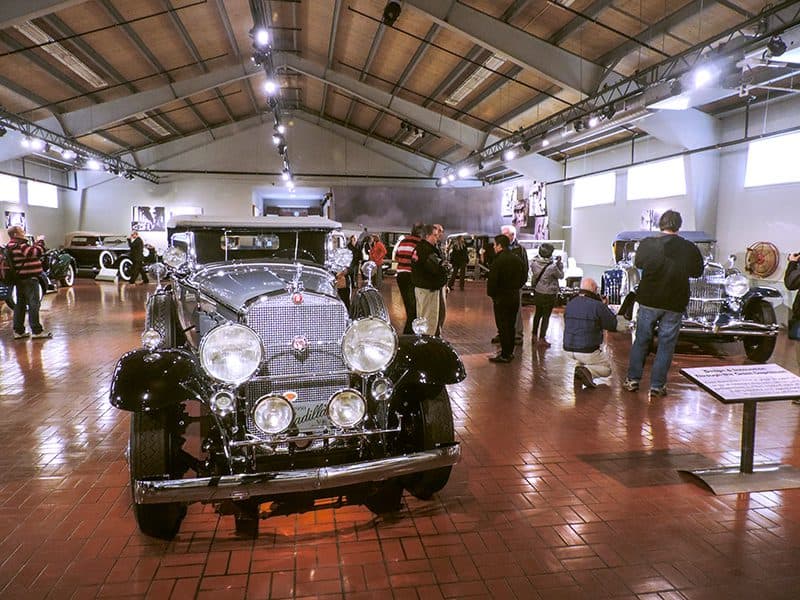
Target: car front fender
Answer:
pixel 761 292
pixel 147 381
pixel 427 360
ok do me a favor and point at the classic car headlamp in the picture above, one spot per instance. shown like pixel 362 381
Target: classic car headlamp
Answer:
pixel 736 285
pixel 174 257
pixel 273 414
pixel 369 345
pixel 346 408
pixel 231 353
pixel 151 339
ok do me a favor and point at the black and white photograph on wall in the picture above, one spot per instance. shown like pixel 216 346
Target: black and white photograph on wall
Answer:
pixel 507 202
pixel 520 216
pixel 541 228
pixel 15 218
pixel 537 199
pixel 148 218
pixel 649 220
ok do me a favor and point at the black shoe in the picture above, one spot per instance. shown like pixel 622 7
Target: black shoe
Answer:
pixel 584 376
pixel 499 358
pixel 496 339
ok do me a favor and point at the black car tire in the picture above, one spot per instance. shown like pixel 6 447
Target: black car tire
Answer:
pixel 759 349
pixel 385 497
pixel 153 453
pixel 433 425
pixel 125 267
pixel 368 302
pixel 161 317
pixel 106 260
pixel 69 277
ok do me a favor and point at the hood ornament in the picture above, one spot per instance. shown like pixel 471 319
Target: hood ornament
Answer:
pixel 299 344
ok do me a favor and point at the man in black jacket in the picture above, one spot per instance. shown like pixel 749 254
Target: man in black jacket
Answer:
pixel 667 263
pixel 517 250
pixel 586 316
pixel 429 275
pixel 506 277
pixel 136 245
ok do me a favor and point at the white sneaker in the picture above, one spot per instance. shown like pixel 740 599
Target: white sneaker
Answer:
pixel 42 335
pixel 21 336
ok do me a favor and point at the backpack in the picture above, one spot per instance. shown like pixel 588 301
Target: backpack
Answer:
pixel 8 272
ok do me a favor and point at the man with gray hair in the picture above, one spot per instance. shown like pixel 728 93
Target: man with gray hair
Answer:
pixel 667 262
pixel 514 248
pixel 586 316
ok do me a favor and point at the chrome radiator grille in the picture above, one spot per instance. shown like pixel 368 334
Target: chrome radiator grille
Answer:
pixel 314 373
pixel 706 294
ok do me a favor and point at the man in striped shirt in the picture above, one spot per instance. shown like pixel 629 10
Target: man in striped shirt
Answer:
pixel 403 252
pixel 27 259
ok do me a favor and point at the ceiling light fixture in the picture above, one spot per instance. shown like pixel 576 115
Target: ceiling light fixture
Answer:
pixel 509 154
pixel 93 164
pixel 261 38
pixel 390 13
pixel 271 87
pixel 776 46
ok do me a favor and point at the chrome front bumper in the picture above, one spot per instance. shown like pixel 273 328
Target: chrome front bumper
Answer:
pixel 732 327
pixel 274 483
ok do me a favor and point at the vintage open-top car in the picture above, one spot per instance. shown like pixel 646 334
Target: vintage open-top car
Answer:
pixel 722 305
pixel 93 251
pixel 255 384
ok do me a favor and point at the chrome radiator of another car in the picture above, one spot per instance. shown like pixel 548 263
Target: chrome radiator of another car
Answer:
pixel 707 293
pixel 302 354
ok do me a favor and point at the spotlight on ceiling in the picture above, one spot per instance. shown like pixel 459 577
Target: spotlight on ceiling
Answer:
pixel 509 154
pixel 464 172
pixel 68 154
pixel 93 164
pixel 286 175
pixel 451 177
pixel 271 86
pixel 579 125
pixel 37 144
pixel 442 180
pixel 278 139
pixel 391 12
pixel 545 143
pixel 776 46
pixel 261 38
pixel 280 128
pixel 526 145
pixel 703 76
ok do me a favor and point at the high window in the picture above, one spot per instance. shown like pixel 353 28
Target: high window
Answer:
pixel 9 189
pixel 772 160
pixel 662 179
pixel 42 194
pixel 594 190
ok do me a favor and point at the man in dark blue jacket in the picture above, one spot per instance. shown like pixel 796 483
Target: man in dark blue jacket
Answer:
pixel 506 276
pixel 585 318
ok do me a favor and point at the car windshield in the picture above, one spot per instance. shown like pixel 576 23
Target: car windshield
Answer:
pixel 215 246
pixel 80 241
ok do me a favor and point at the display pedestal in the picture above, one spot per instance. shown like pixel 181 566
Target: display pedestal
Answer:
pixel 747 385
pixel 107 275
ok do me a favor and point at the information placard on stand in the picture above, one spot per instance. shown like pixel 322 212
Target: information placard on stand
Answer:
pixel 747 385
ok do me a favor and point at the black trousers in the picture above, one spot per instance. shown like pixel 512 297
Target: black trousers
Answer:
pixel 138 269
pixel 505 316
pixel 460 273
pixel 544 304
pixel 406 288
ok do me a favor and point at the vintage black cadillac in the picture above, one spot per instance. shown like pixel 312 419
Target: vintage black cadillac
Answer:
pixel 722 305
pixel 256 385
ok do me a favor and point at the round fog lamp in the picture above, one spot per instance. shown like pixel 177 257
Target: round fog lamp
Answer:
pixel 381 389
pixel 222 403
pixel 151 339
pixel 273 414
pixel 346 408
pixel 736 285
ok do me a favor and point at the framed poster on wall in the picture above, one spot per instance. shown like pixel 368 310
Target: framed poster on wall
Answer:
pixel 148 218
pixel 541 228
pixel 15 218
pixel 507 202
pixel 520 216
pixel 537 200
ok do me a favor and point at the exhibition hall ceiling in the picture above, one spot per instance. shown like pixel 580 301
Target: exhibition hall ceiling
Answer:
pixel 450 82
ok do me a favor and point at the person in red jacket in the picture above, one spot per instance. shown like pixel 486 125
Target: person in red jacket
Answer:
pixel 27 259
pixel 376 254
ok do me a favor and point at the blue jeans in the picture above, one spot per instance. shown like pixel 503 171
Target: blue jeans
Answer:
pixel 27 299
pixel 669 325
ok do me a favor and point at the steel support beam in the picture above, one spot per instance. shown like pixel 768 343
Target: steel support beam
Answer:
pixel 563 67
pixel 577 23
pixel 431 121
pixel 14 13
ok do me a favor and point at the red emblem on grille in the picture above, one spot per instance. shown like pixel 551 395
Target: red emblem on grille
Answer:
pixel 297 298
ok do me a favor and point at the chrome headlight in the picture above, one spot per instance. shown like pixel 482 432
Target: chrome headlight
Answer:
pixel 736 285
pixel 369 345
pixel 346 408
pixel 230 353
pixel 174 257
pixel 223 403
pixel 273 414
pixel 420 325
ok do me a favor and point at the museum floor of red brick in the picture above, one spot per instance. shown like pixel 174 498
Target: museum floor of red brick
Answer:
pixel 560 493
